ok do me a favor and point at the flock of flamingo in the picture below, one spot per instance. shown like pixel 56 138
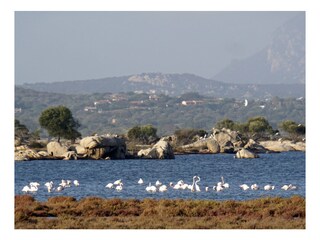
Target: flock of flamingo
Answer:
pixel 158 187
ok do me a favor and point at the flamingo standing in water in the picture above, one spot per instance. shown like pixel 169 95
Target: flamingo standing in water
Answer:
pixel 158 183
pixel 33 187
pixel 109 185
pixel 195 187
pixel 163 188
pixel 268 187
pixel 244 187
pixel 49 186
pixel 119 187
pixel 117 182
pixel 151 188
pixel 76 183
pixel 224 184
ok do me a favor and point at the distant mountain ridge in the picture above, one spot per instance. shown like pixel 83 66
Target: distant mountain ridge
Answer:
pixel 170 84
pixel 277 70
pixel 282 61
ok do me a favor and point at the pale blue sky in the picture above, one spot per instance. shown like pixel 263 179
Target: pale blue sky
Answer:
pixel 60 46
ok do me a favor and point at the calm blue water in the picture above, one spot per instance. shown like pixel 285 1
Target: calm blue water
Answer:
pixel 276 169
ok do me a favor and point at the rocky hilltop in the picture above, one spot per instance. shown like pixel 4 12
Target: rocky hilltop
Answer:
pixel 170 84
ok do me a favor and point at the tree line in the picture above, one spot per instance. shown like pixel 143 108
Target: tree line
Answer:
pixel 59 122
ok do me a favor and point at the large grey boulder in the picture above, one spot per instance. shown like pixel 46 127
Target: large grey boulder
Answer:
pixel 92 147
pixel 245 153
pixel 228 140
pixel 202 144
pixel 213 146
pixel 161 150
pixel 198 145
pixel 148 153
pixel 102 147
pixel 90 142
pixel 80 150
pixel 56 149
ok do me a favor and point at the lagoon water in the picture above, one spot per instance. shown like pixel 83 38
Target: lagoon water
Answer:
pixel 276 169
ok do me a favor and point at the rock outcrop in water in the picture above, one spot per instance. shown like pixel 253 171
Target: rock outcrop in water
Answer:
pixel 283 146
pixel 113 147
pixel 56 149
pixel 92 147
pixel 245 153
pixel 221 141
pixel 100 147
pixel 23 153
pixel 161 150
pixel 227 141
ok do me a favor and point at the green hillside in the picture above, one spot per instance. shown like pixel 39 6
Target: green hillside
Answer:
pixel 118 112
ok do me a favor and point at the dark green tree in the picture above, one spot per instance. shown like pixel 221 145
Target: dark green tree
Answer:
pixel 292 128
pixel 144 134
pixel 258 127
pixel 225 123
pixel 59 122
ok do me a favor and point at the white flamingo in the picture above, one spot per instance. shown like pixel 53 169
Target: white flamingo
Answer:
pixel 195 187
pixel 178 185
pixel 151 188
pixel 140 181
pixel 76 183
pixel 117 182
pixel 68 183
pixel 119 187
pixel 36 184
pixel 158 183
pixel 63 183
pixel 285 187
pixel 26 189
pixel 292 187
pixel 49 186
pixel 109 185
pixel 268 187
pixel 163 188
pixel 288 187
pixel 33 187
pixel 254 186
pixel 219 187
pixel 59 188
pixel 244 187
pixel 224 184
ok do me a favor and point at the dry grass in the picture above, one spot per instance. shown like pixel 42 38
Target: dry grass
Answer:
pixel 99 213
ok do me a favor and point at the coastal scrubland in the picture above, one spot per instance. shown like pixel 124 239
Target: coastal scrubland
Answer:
pixel 98 213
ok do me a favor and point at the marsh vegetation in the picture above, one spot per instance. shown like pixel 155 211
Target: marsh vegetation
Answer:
pixel 99 213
